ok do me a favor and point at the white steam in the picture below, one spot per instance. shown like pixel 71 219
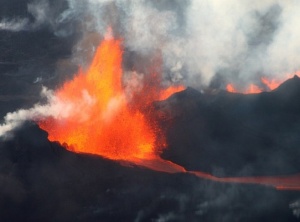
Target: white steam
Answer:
pixel 238 40
pixel 242 39
pixel 39 10
pixel 198 40
pixel 55 107
pixel 14 24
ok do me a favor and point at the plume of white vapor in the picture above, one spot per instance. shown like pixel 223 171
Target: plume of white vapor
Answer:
pixel 14 24
pixel 42 14
pixel 55 107
pixel 239 40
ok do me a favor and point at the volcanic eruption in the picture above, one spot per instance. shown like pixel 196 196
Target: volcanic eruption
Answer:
pixel 111 124
pixel 182 111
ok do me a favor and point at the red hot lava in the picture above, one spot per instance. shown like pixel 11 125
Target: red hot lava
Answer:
pixel 108 124
pixel 266 84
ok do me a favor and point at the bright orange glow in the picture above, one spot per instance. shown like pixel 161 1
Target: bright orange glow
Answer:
pixel 106 125
pixel 274 83
pixel 270 84
pixel 253 89
pixel 250 90
pixel 170 91
pixel 291 182
pixel 230 88
pixel 103 122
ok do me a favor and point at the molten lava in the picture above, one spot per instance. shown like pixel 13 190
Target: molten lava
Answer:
pixel 230 88
pixel 105 124
pixel 269 84
pixel 99 118
pixel 253 89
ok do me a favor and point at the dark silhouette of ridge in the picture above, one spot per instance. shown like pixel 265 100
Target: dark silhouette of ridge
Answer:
pixel 230 134
pixel 41 181
pixel 221 133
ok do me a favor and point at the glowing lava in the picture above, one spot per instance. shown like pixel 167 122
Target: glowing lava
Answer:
pixel 266 84
pixel 105 124
pixel 230 88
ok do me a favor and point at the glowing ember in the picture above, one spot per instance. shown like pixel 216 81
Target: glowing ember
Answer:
pixel 106 125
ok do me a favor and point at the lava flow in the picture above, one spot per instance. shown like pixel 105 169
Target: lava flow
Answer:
pixel 106 123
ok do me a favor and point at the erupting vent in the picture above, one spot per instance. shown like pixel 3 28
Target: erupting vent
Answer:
pixel 116 126
pixel 110 124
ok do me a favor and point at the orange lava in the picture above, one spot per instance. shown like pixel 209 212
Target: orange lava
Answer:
pixel 170 91
pixel 105 124
pixel 230 88
pixel 98 119
pixel 290 182
pixel 269 84
pixel 250 90
pixel 253 89
pixel 274 83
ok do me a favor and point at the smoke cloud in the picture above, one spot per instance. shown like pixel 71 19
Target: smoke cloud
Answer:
pixel 13 25
pixel 55 108
pixel 198 41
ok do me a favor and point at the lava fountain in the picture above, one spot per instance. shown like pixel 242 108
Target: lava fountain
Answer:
pixel 110 124
pixel 107 124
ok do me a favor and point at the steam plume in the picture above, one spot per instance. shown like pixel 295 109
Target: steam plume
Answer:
pixel 198 40
pixel 55 108
pixel 238 40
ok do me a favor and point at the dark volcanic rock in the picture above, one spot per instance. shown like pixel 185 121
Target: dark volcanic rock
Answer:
pixel 41 181
pixel 234 134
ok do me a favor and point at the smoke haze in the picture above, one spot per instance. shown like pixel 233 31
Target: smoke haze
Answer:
pixel 198 41
pixel 54 108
